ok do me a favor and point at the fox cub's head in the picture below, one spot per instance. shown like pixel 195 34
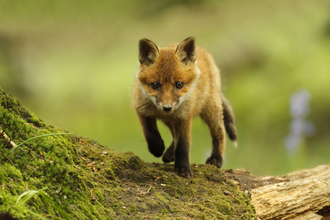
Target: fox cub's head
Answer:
pixel 167 74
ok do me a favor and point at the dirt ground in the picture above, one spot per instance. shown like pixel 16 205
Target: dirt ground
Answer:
pixel 86 180
pixel 247 181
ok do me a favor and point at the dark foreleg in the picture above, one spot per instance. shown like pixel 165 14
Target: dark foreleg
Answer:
pixel 152 135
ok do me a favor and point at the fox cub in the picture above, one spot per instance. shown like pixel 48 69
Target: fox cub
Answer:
pixel 175 83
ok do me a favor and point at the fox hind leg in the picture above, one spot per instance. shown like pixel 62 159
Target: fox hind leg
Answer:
pixel 169 153
pixel 212 116
pixel 179 148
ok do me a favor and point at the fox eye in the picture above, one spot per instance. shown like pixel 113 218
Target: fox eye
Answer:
pixel 155 85
pixel 179 85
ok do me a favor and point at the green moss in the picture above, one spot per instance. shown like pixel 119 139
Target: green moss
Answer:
pixel 90 181
pixel 6 204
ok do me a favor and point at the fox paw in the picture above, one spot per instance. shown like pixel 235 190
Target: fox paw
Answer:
pixel 168 155
pixel 184 172
pixel 215 161
pixel 156 147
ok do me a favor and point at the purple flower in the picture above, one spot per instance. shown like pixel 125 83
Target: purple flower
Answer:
pixel 299 106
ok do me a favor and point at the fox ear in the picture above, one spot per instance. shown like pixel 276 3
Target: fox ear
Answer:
pixel 186 50
pixel 148 52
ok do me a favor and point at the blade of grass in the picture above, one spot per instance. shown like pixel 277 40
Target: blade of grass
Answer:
pixel 26 196
pixel 40 136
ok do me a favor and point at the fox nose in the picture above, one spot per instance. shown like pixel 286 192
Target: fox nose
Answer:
pixel 167 108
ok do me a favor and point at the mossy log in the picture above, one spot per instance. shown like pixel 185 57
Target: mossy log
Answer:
pixel 87 180
pixel 90 181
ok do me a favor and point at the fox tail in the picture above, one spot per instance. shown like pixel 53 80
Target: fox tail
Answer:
pixel 229 120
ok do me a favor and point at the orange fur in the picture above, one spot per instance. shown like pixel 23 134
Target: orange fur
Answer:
pixel 158 95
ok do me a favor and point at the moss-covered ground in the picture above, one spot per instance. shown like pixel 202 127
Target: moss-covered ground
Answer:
pixel 91 181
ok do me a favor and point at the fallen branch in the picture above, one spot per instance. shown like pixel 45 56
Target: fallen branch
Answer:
pixel 303 194
pixel 7 138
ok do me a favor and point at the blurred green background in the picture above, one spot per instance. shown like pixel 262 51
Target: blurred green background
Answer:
pixel 73 63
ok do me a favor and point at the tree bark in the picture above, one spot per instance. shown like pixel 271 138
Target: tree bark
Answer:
pixel 303 194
